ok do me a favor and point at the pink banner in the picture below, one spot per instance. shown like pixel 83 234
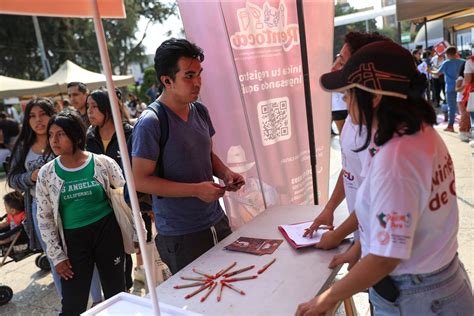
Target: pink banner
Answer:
pixel 253 87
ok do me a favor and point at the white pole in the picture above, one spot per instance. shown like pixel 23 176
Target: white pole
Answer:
pixel 104 55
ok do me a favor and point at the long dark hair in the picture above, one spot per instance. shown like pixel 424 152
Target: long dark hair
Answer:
pixel 27 136
pixel 395 116
pixel 101 97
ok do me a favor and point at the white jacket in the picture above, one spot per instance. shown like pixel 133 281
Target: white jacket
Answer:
pixel 48 189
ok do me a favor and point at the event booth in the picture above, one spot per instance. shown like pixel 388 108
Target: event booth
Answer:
pixel 260 84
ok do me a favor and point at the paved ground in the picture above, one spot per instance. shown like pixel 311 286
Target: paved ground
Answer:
pixel 34 293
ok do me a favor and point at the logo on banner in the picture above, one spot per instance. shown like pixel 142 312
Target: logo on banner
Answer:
pixel 274 120
pixel 264 26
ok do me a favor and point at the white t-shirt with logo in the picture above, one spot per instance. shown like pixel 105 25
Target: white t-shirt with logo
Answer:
pixel 352 162
pixel 338 103
pixel 407 206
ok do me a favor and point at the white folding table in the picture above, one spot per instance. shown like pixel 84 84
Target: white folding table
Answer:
pixel 295 277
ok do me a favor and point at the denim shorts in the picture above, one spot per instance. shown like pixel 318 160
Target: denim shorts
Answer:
pixel 444 292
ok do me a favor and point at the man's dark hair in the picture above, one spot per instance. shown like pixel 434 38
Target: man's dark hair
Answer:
pixel 3 115
pixel 82 87
pixel 168 54
pixel 15 200
pixel 73 126
pixel 451 51
pixel 356 40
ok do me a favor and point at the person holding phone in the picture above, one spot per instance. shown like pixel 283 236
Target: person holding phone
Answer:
pixel 406 207
pixel 188 217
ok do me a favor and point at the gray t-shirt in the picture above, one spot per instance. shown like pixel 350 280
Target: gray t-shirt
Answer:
pixel 35 161
pixel 186 159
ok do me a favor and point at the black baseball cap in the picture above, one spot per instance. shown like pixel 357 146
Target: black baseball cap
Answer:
pixel 382 67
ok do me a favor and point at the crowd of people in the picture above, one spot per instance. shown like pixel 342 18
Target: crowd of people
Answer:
pixel 66 162
pixel 450 78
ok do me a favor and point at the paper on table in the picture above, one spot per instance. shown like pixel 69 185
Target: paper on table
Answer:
pixel 295 232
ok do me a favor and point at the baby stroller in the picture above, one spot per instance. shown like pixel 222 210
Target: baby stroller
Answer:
pixel 18 249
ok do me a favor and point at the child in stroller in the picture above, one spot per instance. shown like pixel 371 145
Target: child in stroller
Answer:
pixel 15 209
pixel 14 240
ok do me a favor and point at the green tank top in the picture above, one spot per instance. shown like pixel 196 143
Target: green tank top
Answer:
pixel 82 201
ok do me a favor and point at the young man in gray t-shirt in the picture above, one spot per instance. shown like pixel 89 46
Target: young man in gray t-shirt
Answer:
pixel 188 216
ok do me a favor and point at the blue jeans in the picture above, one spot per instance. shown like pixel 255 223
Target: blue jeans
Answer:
pixel 444 292
pixel 472 124
pixel 96 290
pixel 452 106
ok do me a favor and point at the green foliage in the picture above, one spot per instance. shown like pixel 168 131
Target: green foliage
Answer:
pixel 75 39
pixel 149 78
pixel 341 31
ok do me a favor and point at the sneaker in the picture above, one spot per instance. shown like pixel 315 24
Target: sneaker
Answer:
pixel 450 128
pixel 139 274
pixel 471 143
pixel 464 136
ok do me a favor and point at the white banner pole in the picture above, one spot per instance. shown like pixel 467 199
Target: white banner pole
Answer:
pixel 104 55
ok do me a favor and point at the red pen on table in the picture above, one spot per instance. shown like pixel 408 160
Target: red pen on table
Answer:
pixel 202 288
pixel 225 269
pixel 265 267
pixel 219 296
pixel 183 286
pixel 203 274
pixel 239 271
pixel 241 279
pixel 194 278
pixel 230 286
pixel 213 286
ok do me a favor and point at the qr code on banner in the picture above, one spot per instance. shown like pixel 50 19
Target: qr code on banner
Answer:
pixel 275 120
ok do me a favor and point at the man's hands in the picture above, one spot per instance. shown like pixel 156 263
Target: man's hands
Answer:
pixel 209 191
pixel 233 181
pixel 64 269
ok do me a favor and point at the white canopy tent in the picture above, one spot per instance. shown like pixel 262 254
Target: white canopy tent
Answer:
pixel 431 9
pixel 12 87
pixel 69 72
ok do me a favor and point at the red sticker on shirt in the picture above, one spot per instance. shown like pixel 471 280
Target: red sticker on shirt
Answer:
pixel 383 237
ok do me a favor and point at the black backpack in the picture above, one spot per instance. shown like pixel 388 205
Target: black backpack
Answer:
pixel 159 110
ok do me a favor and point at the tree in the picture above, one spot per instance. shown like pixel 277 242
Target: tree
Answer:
pixel 75 39
pixel 342 30
pixel 149 78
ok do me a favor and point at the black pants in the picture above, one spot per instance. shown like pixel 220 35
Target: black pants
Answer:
pixel 438 87
pixel 99 243
pixel 179 251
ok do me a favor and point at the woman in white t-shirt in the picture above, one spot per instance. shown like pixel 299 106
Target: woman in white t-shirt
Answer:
pixel 406 208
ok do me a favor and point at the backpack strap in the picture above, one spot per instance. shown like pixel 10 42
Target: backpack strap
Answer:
pixel 160 112
pixel 203 113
